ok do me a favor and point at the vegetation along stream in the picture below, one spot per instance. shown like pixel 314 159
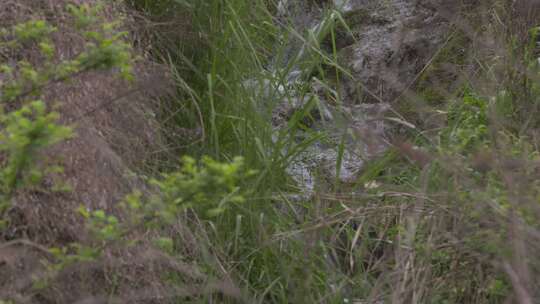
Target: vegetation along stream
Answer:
pixel 269 151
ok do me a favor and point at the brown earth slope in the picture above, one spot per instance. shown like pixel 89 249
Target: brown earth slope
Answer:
pixel 116 133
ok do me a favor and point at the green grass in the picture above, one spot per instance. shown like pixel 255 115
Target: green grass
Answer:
pixel 406 232
pixel 240 39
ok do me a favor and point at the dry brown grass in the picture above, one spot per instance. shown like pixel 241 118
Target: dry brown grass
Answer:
pixel 116 133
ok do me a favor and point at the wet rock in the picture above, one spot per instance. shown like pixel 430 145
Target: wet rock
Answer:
pixel 396 39
pixel 385 47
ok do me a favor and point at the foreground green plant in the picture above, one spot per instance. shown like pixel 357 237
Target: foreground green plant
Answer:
pixel 29 127
pixel 211 189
